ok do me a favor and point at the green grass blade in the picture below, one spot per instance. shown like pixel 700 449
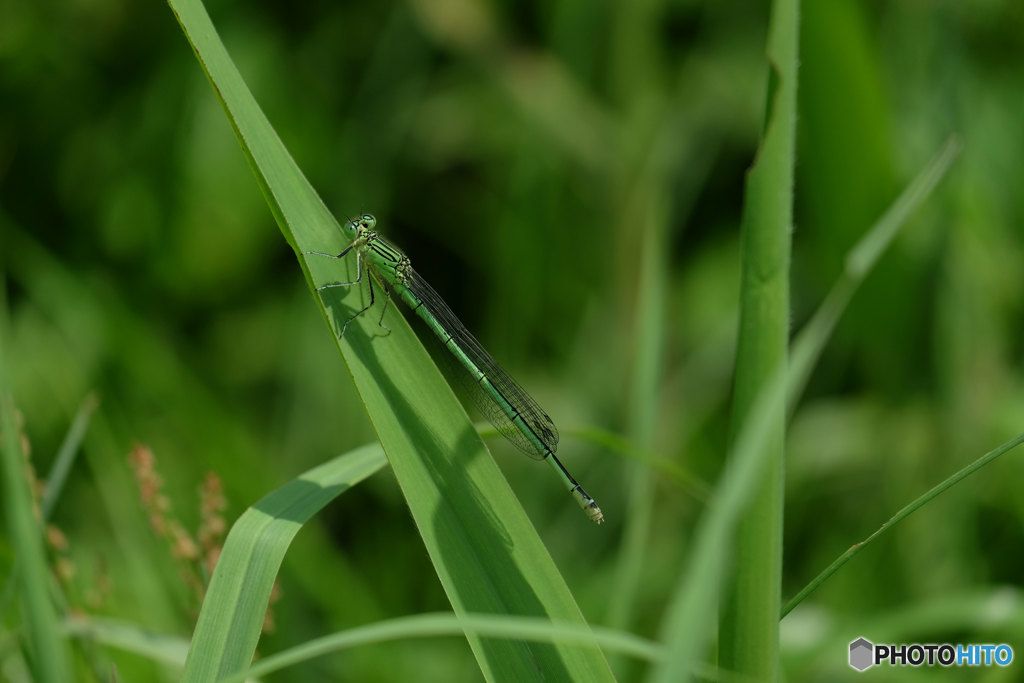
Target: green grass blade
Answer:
pixel 485 550
pixel 47 654
pixel 158 647
pixel 808 345
pixel 444 624
pixel 229 623
pixel 55 482
pixel 900 516
pixel 684 631
pixel 693 605
pixel 69 449
pixel 646 373
pixel 748 627
pixel 861 259
pixel 668 471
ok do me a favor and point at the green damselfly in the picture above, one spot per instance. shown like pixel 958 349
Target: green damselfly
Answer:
pixel 506 404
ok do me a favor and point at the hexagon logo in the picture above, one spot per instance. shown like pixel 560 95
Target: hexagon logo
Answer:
pixel 861 654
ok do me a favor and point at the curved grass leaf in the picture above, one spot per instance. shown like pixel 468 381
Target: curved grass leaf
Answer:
pixel 236 601
pixel 444 624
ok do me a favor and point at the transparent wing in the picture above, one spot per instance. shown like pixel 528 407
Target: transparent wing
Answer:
pixel 533 417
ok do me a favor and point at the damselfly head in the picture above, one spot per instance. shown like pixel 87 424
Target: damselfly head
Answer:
pixel 357 227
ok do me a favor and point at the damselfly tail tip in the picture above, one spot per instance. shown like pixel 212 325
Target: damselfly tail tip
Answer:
pixel 588 504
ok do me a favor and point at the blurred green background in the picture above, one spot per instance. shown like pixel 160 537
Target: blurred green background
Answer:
pixel 522 154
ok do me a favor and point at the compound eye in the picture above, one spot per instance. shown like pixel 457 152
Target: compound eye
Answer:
pixel 369 221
